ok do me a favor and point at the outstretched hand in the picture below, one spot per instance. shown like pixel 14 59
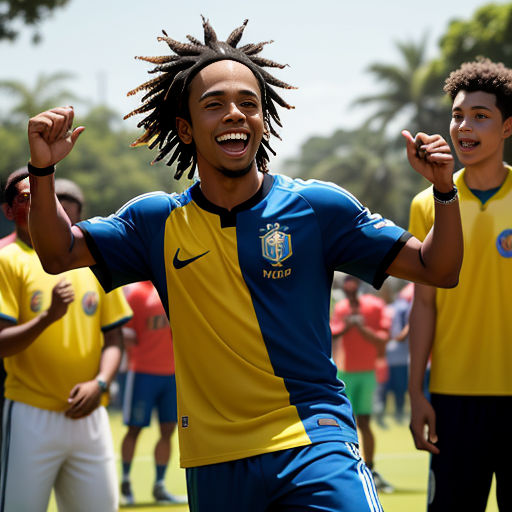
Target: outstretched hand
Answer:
pixel 432 158
pixel 50 136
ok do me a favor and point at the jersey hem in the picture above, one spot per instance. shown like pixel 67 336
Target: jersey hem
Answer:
pixel 204 461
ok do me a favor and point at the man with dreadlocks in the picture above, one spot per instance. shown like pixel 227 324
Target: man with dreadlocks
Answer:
pixel 243 261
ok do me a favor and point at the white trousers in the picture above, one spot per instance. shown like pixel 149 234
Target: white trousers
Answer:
pixel 44 449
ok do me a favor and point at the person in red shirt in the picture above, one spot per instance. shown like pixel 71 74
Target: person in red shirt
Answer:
pixel 360 328
pixel 150 384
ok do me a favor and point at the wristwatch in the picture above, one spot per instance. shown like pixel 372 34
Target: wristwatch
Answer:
pixel 103 385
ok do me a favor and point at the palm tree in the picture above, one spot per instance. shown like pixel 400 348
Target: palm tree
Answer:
pixel 45 94
pixel 409 92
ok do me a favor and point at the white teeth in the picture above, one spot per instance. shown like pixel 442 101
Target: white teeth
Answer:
pixel 467 144
pixel 232 136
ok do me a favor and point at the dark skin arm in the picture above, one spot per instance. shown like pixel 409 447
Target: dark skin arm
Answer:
pixel 442 249
pixel 422 327
pixel 51 139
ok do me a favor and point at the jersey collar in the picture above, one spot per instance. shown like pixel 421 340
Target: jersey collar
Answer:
pixel 465 192
pixel 228 217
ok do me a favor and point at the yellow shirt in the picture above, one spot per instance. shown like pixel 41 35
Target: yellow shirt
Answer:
pixel 69 350
pixel 472 350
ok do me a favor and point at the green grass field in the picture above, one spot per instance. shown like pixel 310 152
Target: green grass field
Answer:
pixel 397 460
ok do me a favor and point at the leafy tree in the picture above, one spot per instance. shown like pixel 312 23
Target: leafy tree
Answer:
pixel 102 162
pixel 366 163
pixel 488 33
pixel 30 12
pixel 46 93
pixel 407 91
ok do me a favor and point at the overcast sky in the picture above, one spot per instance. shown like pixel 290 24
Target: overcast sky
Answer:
pixel 328 45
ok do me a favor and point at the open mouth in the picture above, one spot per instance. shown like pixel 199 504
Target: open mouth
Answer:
pixel 468 144
pixel 234 142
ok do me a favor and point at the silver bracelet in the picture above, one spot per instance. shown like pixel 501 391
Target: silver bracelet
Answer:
pixel 446 197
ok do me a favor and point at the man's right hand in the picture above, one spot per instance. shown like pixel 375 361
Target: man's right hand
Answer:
pixel 423 424
pixel 62 296
pixel 50 137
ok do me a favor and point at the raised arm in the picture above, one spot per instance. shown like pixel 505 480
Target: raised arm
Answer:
pixel 60 246
pixel 438 259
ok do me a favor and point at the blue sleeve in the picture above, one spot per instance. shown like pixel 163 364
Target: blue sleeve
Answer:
pixel 128 246
pixel 355 241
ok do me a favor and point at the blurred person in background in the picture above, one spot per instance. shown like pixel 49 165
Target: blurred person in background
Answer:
pixel 397 357
pixel 360 329
pixel 150 384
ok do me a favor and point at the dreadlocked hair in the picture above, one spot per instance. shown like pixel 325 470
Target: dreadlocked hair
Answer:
pixel 483 75
pixel 166 96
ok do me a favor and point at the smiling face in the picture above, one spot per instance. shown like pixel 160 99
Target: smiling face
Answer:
pixel 226 118
pixel 477 128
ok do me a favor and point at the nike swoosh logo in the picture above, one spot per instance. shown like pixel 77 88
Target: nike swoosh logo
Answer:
pixel 183 263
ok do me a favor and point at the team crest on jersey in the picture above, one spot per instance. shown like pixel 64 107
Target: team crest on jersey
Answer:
pixel 90 303
pixel 36 301
pixel 276 244
pixel 504 243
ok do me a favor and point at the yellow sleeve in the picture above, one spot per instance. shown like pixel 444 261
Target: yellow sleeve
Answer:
pixel 115 310
pixel 421 215
pixel 9 289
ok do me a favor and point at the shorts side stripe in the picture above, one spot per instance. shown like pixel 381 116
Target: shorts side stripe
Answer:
pixel 6 439
pixel 369 487
pixel 353 450
pixel 366 478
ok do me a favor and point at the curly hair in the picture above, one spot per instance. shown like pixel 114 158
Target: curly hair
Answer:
pixel 483 75
pixel 167 95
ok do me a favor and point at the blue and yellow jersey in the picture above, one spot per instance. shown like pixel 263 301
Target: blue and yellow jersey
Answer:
pixel 472 347
pixel 68 351
pixel 248 292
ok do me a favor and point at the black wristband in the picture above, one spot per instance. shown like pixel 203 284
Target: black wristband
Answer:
pixel 445 197
pixel 38 171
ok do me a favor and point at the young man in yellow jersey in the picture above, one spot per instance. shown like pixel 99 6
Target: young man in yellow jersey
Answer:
pixel 467 329
pixel 60 339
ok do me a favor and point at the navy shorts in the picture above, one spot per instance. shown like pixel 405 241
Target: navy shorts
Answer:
pixel 145 392
pixel 328 476
pixel 474 444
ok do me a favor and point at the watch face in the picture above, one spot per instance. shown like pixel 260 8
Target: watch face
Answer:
pixel 102 384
